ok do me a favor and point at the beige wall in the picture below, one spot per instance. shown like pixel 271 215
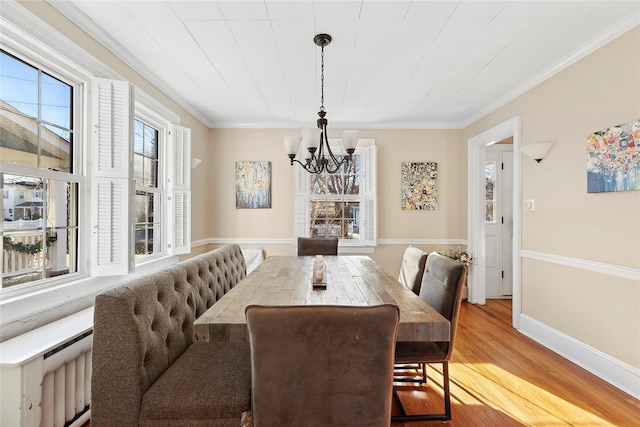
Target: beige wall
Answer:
pixel 393 147
pixel 599 91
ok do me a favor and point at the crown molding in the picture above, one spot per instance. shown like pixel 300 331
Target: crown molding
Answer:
pixel 336 125
pixel 603 38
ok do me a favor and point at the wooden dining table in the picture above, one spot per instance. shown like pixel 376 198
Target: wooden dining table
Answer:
pixel 349 280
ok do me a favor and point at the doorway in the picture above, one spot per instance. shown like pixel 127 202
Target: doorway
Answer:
pixel 499 219
pixel 476 238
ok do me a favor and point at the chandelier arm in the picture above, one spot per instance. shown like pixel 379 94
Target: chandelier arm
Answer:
pixel 332 156
pixel 309 166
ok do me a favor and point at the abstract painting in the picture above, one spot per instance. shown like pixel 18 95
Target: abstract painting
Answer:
pixel 613 158
pixel 253 185
pixel 419 186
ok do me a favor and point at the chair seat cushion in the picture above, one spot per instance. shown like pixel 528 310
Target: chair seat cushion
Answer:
pixel 420 352
pixel 209 381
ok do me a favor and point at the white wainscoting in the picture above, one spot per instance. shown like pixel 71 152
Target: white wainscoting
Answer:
pixel 614 371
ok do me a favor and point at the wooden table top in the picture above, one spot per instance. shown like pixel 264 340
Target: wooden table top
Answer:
pixel 287 280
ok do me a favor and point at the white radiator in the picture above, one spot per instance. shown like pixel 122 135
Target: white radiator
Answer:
pixel 45 376
pixel 66 387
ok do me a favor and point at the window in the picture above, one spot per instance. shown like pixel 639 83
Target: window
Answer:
pixel 334 202
pixel 342 204
pixel 146 146
pixel 70 207
pixel 490 197
pixel 39 230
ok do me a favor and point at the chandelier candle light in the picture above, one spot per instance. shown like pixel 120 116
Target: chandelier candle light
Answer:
pixel 321 158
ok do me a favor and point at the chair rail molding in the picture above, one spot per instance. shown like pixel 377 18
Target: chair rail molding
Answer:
pixel 582 264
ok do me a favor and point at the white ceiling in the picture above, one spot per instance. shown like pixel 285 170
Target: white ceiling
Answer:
pixel 407 64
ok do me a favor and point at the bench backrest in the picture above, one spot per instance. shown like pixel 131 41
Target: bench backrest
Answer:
pixel 142 326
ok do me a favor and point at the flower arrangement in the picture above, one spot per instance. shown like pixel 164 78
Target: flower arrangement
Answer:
pixel 458 254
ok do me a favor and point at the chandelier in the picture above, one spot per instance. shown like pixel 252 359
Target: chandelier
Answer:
pixel 321 158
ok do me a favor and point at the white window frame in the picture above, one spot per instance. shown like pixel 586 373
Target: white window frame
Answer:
pixel 154 119
pixel 45 61
pixel 368 199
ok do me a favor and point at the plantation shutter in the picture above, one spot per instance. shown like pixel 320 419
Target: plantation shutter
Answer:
pixel 369 207
pixel 301 225
pixel 179 191
pixel 112 189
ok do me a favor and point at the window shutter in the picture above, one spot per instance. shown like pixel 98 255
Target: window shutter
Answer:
pixel 179 191
pixel 181 157
pixel 301 202
pixel 370 199
pixel 111 188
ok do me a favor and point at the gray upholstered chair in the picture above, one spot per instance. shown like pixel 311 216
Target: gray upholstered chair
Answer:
pixel 412 268
pixel 317 246
pixel 321 366
pixel 442 287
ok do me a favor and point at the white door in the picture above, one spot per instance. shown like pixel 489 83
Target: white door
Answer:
pixel 499 220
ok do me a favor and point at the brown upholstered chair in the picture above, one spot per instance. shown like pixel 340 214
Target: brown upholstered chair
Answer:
pixel 412 268
pixel 321 366
pixel 442 287
pixel 317 246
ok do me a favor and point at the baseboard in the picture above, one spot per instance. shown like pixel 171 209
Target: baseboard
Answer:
pixel 613 371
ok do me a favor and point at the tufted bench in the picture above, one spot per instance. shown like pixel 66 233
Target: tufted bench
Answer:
pixel 145 372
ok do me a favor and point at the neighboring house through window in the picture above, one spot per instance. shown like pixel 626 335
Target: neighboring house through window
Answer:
pixel 39 232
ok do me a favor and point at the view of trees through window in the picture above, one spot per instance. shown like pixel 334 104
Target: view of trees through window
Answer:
pixel 335 202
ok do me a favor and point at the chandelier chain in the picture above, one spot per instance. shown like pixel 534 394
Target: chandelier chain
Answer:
pixel 322 78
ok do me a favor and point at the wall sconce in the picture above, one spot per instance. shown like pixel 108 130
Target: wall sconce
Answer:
pixel 536 151
pixel 195 162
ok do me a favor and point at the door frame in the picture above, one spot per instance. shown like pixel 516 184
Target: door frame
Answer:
pixel 476 158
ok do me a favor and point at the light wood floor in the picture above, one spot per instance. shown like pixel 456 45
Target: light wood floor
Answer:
pixel 499 377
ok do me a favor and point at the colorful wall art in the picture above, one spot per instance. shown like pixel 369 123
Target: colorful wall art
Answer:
pixel 613 158
pixel 419 186
pixel 253 185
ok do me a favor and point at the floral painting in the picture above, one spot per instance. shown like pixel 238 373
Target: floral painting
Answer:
pixel 613 162
pixel 419 186
pixel 253 185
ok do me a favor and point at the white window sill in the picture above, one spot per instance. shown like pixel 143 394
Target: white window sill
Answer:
pixel 355 249
pixel 29 308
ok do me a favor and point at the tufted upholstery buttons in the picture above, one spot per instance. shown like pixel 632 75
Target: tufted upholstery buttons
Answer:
pixel 173 298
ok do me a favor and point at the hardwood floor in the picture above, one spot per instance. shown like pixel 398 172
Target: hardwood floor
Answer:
pixel 499 377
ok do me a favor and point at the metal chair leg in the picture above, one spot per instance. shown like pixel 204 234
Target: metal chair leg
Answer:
pixel 404 417
pixel 418 378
